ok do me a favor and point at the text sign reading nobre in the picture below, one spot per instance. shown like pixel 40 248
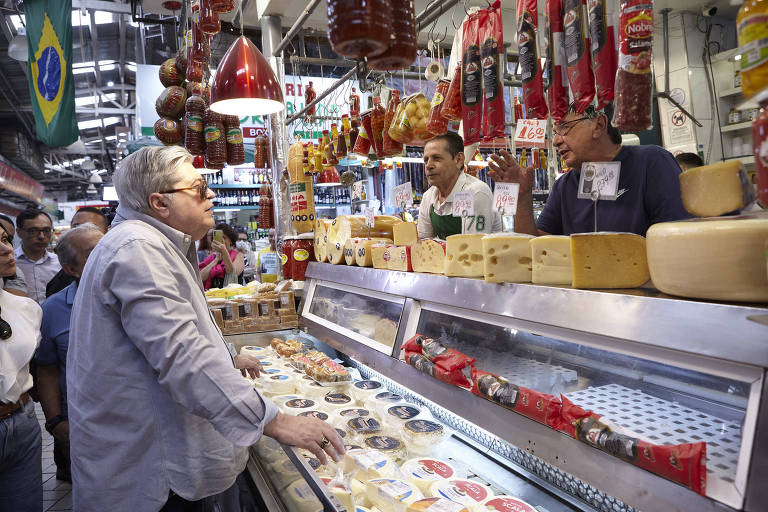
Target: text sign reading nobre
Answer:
pixel 463 204
pixel 531 133
pixel 403 195
pixel 505 197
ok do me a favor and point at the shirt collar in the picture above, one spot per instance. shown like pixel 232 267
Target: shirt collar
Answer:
pixel 71 291
pixel 457 187
pixel 181 240
pixel 18 253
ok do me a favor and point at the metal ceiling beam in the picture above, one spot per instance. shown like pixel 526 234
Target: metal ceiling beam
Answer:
pixel 11 108
pixel 99 5
pixel 296 27
pixel 95 47
pixel 121 63
pixel 117 87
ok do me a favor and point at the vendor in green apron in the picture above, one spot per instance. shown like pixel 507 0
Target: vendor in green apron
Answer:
pixel 444 167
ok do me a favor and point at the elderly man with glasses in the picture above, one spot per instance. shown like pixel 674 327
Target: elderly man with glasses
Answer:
pixel 37 264
pixel 648 189
pixel 159 418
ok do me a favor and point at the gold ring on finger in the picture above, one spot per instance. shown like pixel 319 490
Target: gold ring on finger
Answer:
pixel 325 442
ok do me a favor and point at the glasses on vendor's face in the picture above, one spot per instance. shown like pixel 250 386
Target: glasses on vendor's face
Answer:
pixel 562 129
pixel 38 231
pixel 5 328
pixel 200 186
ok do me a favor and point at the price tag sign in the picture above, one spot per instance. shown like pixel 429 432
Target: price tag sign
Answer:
pixel 463 204
pixel 599 181
pixel 505 198
pixel 531 133
pixel 403 195
pixel 357 190
pixel 370 218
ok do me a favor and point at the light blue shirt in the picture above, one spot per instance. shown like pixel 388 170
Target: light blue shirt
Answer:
pixel 37 273
pixel 155 403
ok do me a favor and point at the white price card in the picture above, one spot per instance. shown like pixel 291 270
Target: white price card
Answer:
pixel 531 133
pixel 370 218
pixel 599 181
pixel 505 198
pixel 403 195
pixel 463 204
pixel 357 190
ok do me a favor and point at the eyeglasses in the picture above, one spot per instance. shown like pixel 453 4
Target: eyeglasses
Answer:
pixel 202 187
pixel 562 129
pixel 37 231
pixel 5 329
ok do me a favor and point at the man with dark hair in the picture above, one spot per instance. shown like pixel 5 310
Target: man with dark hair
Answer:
pixel 14 284
pixel 444 167
pixel 648 189
pixel 38 266
pixel 689 161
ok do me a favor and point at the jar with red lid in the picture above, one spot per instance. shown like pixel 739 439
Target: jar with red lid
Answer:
pixel 377 127
pixel 391 146
pixel 760 144
pixel 403 44
pixel 359 29
pixel 303 248
pixel 436 123
pixel 452 102
pixel 363 142
pixel 286 255
pixel 209 20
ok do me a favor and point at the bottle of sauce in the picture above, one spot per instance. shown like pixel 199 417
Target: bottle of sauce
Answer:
pixel 391 146
pixel 342 138
pixel 753 43
pixel 359 29
pixel 403 44
pixel 377 127
pixel 194 139
pixel 452 102
pixel 209 20
pixel 518 109
pixel 346 127
pixel 760 143
pixel 354 104
pixel 309 97
pixel 436 123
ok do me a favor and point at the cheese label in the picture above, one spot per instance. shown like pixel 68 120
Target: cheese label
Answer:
pixel 300 403
pixel 337 398
pixel 342 433
pixel 393 490
pixel 369 459
pixel 364 425
pixel 388 396
pixel 508 504
pixel 429 469
pixel 384 443
pixel 300 255
pixel 442 505
pixel 314 414
pixel 280 377
pixel 423 427
pixel 354 413
pixel 270 370
pixel 367 384
pixel 403 412
pixel 463 491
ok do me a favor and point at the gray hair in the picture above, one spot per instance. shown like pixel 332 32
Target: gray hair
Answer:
pixel 69 246
pixel 147 171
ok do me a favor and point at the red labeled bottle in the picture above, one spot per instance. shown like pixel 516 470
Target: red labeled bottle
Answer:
pixel 358 28
pixel 363 142
pixel 309 97
pixel 194 139
pixel 391 146
pixel 235 148
pixel 354 103
pixel 377 127
pixel 760 144
pixel 452 102
pixel 403 44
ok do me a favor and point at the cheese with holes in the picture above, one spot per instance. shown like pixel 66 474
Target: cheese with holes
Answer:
pixel 609 260
pixel 366 465
pixel 507 258
pixel 464 255
pixel 551 260
pixel 716 189
pixel 401 259
pixel 436 505
pixel 425 471
pixel 364 256
pixel 718 258
pixel 391 494
pixel 405 233
pixel 469 493
pixel 507 504
pixel 428 256
pixel 381 254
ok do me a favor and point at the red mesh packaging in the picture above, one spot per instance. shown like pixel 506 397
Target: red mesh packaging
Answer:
pixel 471 82
pixel 530 65
pixel 448 359
pixel 602 37
pixel 452 103
pixel 540 407
pixel 194 139
pixel 422 363
pixel 577 56
pixel 436 123
pixel 557 88
pixel 634 81
pixel 235 148
pixel 491 45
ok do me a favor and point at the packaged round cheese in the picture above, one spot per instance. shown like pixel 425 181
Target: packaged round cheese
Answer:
pixel 469 493
pixel 279 384
pixel 298 496
pixel 362 427
pixel 366 464
pixel 436 505
pixel 507 504
pixel 320 415
pixel 341 416
pixel 298 405
pixel 309 388
pixel 423 436
pixel 281 399
pixel 336 401
pixel 425 471
pixel 363 390
pixel 382 401
pixel 396 415
pixel 255 351
pixel 390 494
pixel 391 446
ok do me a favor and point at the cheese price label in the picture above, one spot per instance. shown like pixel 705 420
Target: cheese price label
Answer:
pixel 357 190
pixel 599 181
pixel 531 133
pixel 505 197
pixel 402 195
pixel 370 218
pixel 463 204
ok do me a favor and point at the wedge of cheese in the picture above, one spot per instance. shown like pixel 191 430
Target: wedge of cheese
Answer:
pixel 401 259
pixel 344 227
pixel 364 258
pixel 335 252
pixel 716 189
pixel 405 233
pixel 425 471
pixel 551 260
pixel 507 258
pixel 381 254
pixel 464 255
pixel 608 260
pixel 723 258
pixel 428 256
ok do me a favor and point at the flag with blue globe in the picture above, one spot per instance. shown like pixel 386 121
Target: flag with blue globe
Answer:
pixel 51 86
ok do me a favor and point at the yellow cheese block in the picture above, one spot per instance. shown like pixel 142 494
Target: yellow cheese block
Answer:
pixel 716 189
pixel 551 260
pixel 464 255
pixel 428 256
pixel 405 233
pixel 507 258
pixel 344 227
pixel 401 259
pixel 363 258
pixel 380 255
pixel 391 494
pixel 609 260
pixel 719 258
pixel 336 252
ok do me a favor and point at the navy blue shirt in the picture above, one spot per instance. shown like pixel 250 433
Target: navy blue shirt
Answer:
pixel 651 194
pixel 57 310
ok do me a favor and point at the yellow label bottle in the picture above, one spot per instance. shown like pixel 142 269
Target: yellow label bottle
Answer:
pixel 752 25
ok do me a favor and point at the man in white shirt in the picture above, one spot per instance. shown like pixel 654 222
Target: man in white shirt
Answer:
pixel 444 167
pixel 38 266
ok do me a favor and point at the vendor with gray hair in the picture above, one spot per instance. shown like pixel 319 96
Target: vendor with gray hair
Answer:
pixel 159 418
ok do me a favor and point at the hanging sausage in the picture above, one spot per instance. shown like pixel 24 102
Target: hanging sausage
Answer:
pixel 194 139
pixel 359 29
pixel 403 43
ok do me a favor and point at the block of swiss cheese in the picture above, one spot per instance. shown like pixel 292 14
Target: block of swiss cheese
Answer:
pixel 507 258
pixel 716 189
pixel 404 233
pixel 551 260
pixel 464 255
pixel 428 256
pixel 608 260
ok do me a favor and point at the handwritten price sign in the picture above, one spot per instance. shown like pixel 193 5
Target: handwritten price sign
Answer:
pixel 531 133
pixel 357 190
pixel 370 218
pixel 403 195
pixel 463 204
pixel 505 197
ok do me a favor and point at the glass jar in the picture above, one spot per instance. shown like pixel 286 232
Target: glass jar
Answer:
pixel 391 146
pixel 359 29
pixel 363 142
pixel 377 127
pixel 209 20
pixel 194 139
pixel 403 44
pixel 303 247
pixel 760 144
pixel 753 43
pixel 452 102
pixel 436 123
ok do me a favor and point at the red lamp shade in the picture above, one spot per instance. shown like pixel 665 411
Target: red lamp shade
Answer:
pixel 329 176
pixel 245 83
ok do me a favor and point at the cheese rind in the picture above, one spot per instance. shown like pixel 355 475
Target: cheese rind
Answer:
pixel 405 233
pixel 609 260
pixel 507 258
pixel 716 189
pixel 350 250
pixel 428 256
pixel 551 256
pixel 719 258
pixel 401 259
pixel 464 255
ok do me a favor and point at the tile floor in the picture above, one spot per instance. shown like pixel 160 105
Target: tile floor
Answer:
pixel 57 495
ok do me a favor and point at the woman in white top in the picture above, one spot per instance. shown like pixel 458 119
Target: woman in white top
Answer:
pixel 21 478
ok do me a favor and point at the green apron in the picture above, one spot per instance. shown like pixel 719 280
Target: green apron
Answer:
pixel 444 225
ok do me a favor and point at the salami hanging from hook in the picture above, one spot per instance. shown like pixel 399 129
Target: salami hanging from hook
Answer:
pixel 530 65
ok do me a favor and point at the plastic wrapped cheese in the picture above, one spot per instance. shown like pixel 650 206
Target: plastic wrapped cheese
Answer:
pixel 295 406
pixel 320 415
pixel 362 427
pixel 342 416
pixel 298 497
pixel 341 491
pixel 395 416
pixel 363 390
pixel 367 464
pixel 335 401
pixel 280 400
pixel 507 504
pixel 269 450
pixel 279 384
pixel 283 471
pixel 423 436
pixel 436 505
pixel 425 471
pixel 307 387
pixel 255 351
pixel 388 445
pixel 469 493
pixel 383 401
pixel 716 189
pixel 391 495
pixel 608 260
pixel 507 258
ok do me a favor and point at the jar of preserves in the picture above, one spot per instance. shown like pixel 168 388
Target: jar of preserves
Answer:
pixel 260 152
pixel 309 97
pixel 403 43
pixel 346 127
pixel 359 29
pixel 341 144
pixel 400 129
pixel 303 247
pixel 753 44
pixel 286 255
pixel 760 144
pixel 452 101
pixel 353 134
pixel 215 142
pixel 235 148
pixel 436 123
pixel 391 146
pixel 363 142
pixel 223 6
pixel 194 139
pixel 377 127
pixel 416 113
pixel 209 21
pixel 354 103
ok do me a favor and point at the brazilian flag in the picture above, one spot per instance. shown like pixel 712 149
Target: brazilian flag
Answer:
pixel 51 84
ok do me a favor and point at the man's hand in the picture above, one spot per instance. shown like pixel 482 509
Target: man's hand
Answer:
pixel 311 434
pixel 504 168
pixel 249 366
pixel 61 433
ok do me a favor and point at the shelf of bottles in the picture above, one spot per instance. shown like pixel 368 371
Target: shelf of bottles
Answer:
pixel 244 178
pixel 332 197
pixel 243 194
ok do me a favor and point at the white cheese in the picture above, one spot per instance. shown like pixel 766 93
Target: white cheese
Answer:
pixel 367 464
pixel 507 504
pixel 391 495
pixel 428 256
pixel 469 493
pixel 551 260
pixel 400 259
pixel 464 255
pixel 507 258
pixel 364 390
pixel 295 406
pixel 425 471
pixel 299 497
pixel 436 505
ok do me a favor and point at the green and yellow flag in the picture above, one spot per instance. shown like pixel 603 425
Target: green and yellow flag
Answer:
pixel 51 84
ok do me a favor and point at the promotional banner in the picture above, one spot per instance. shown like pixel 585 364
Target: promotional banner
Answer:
pixel 51 85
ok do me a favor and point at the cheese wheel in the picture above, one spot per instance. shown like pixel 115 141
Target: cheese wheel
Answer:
pixel 423 436
pixel 364 390
pixel 279 384
pixel 436 505
pixel 507 504
pixel 507 258
pixel 383 401
pixel 400 259
pixel 390 494
pixel 363 426
pixel 308 388
pixel 336 401
pixel 467 492
pixel 302 197
pixel 281 399
pixel 404 233
pixel 428 256
pixel 464 255
pixel 335 252
pixel 319 415
pixel 321 239
pixel 350 250
pixel 551 260
pixel 390 446
pixel 609 260
pixel 423 472
pixel 255 351
pixel 345 227
pixel 717 258
pixel 395 416
pixel 364 256
pixel 716 189
pixel 295 406
pixel 342 416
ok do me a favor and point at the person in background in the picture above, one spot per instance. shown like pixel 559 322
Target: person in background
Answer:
pixel 38 266
pixel 689 161
pixel 268 261
pixel 204 248
pixel 86 214
pixel 72 249
pixel 16 283
pixel 225 264
pixel 159 418
pixel 444 168
pixel 648 189
pixel 21 472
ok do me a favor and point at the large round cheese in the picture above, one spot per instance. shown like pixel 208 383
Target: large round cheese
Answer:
pixel 423 436
pixel 319 415
pixel 279 384
pixel 281 399
pixel 294 407
pixel 309 388
pixel 363 426
pixel 336 401
pixel 467 492
pixel 392 447
pixel 382 401
pixel 507 504
pixel 436 505
pixel 425 471
pixel 715 258
pixel 255 351
pixel 364 389
pixel 396 415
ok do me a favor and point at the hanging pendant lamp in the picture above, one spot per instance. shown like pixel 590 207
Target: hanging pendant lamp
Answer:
pixel 245 84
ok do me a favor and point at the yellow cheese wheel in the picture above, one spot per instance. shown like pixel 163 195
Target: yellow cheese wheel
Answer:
pixel 716 189
pixel 345 227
